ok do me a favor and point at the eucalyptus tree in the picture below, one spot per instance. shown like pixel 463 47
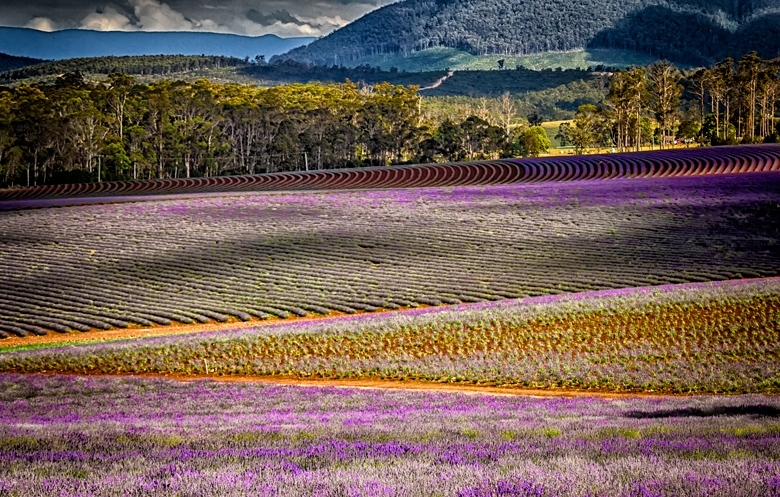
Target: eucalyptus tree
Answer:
pixel 585 133
pixel 32 123
pixel 627 98
pixel 749 72
pixel 700 82
pixel 118 92
pixel 10 153
pixel 195 118
pixel 723 91
pixel 770 93
pixel 664 90
pixel 157 123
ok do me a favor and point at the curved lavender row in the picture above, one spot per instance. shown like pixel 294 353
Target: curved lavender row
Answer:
pixel 514 310
pixel 705 338
pixel 689 162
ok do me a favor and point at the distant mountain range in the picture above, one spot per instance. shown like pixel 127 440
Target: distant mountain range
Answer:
pixel 688 31
pixel 74 43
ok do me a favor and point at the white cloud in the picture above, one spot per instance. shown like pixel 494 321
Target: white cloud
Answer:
pixel 250 28
pixel 329 22
pixel 320 16
pixel 209 25
pixel 108 20
pixel 310 19
pixel 42 24
pixel 153 15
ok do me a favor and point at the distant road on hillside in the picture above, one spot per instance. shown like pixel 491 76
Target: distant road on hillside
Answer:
pixel 438 82
pixel 74 43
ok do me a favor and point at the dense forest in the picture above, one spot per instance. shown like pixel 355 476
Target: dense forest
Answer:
pixel 729 103
pixel 78 131
pixel 10 62
pixel 138 65
pixel 688 31
pixel 74 130
pixel 181 65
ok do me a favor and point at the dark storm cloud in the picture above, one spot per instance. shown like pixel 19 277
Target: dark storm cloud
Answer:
pixel 277 16
pixel 252 17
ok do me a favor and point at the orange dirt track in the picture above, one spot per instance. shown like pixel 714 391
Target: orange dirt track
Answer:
pixel 374 384
pixel 95 335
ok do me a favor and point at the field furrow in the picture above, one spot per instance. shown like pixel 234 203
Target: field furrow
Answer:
pixel 260 255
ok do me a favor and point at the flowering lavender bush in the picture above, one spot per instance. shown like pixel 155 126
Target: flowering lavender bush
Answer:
pixel 129 436
pixel 708 337
pixel 261 255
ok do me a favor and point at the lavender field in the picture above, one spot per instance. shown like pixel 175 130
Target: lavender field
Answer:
pixel 653 286
pixel 132 436
pixel 721 337
pixel 256 256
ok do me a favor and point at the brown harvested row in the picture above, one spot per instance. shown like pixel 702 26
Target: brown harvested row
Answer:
pixel 720 160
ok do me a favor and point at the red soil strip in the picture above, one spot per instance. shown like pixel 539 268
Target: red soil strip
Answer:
pixel 95 335
pixel 424 386
pixel 375 384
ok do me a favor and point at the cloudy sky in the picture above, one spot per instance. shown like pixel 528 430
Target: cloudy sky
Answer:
pixel 246 17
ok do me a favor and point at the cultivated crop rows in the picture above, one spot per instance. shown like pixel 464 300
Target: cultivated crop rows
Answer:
pixel 692 162
pixel 152 436
pixel 698 337
pixel 264 255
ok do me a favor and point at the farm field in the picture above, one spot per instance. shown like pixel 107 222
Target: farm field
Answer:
pixel 717 337
pixel 138 436
pixel 260 255
pixel 637 296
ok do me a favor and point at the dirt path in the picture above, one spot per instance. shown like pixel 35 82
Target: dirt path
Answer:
pixel 438 82
pixel 369 384
pixel 95 335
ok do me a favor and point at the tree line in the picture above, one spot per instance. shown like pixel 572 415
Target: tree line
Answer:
pixel 515 80
pixel 130 64
pixel 79 131
pixel 729 103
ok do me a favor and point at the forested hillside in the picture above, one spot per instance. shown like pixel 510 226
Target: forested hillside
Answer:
pixel 137 65
pixel 9 62
pixel 690 31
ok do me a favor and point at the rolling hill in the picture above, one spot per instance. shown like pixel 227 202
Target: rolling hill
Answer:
pixel 78 43
pixel 468 83
pixel 10 62
pixel 688 31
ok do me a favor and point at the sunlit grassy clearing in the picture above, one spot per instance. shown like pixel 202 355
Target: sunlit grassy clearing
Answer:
pixel 443 58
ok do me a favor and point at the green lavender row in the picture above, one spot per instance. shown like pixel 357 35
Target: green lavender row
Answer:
pixel 708 337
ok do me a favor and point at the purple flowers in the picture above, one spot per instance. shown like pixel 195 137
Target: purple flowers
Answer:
pixel 125 436
pixel 259 255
